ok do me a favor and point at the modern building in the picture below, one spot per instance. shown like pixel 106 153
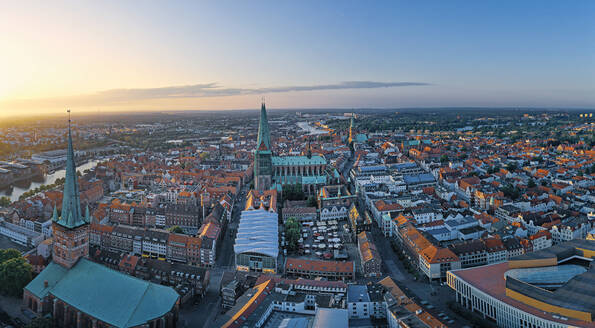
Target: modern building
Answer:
pixel 77 292
pixel 553 287
pixel 270 171
pixel 20 235
pixel 257 241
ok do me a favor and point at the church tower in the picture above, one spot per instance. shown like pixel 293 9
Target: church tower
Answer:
pixel 263 164
pixel 71 228
pixel 351 136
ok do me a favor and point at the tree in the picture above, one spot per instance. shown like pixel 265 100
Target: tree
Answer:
pixel 312 201
pixel 7 254
pixel 511 192
pixel 511 166
pixel 292 233
pixel 531 183
pixel 41 322
pixel 293 192
pixel 4 201
pixel 15 274
pixel 444 158
pixel 175 229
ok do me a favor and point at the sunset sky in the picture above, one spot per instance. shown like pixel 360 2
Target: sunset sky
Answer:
pixel 165 55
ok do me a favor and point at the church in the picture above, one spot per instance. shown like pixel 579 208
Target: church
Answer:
pixel 273 172
pixel 79 293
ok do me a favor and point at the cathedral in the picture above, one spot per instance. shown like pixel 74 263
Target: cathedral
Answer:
pixel 273 172
pixel 77 292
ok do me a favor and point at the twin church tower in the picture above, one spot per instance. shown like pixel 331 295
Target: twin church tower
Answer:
pixel 273 172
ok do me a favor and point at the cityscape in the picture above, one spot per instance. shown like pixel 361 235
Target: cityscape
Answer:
pixel 297 202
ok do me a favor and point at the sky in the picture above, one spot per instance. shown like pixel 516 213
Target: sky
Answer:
pixel 165 55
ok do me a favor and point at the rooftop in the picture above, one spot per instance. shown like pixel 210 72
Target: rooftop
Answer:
pixel 110 296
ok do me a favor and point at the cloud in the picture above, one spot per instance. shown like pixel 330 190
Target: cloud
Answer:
pixel 115 96
pixel 213 90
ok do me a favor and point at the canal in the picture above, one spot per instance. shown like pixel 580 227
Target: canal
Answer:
pixel 20 187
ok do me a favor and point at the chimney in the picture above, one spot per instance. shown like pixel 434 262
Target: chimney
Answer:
pixel 45 284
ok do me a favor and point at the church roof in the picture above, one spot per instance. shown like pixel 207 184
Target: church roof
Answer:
pixel 72 216
pixel 298 160
pixel 110 296
pixel 263 142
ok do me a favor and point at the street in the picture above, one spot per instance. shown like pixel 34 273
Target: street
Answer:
pixel 208 309
pixel 419 290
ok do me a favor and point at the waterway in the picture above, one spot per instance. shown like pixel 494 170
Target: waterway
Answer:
pixel 310 129
pixel 20 187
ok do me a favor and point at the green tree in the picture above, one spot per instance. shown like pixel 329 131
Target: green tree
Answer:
pixel 531 183
pixel 511 166
pixel 4 201
pixel 175 229
pixel 444 158
pixel 312 201
pixel 41 322
pixel 293 192
pixel 292 233
pixel 15 274
pixel 7 254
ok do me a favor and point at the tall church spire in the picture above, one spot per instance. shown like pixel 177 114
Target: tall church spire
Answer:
pixel 72 216
pixel 263 142
pixel 350 140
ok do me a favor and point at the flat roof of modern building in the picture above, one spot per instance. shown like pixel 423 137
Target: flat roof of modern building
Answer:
pixel 258 232
pixel 573 293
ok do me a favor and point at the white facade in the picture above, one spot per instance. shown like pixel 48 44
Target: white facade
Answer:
pixel 334 213
pixel 505 315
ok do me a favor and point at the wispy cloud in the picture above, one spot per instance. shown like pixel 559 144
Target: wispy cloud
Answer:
pixel 214 90
pixel 115 96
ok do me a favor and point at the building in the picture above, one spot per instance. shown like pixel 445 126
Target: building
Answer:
pixel 270 171
pixel 434 262
pixel 365 301
pixel 311 269
pixel 553 287
pixel 78 292
pixel 334 202
pixel 19 234
pixel 371 262
pixel 257 241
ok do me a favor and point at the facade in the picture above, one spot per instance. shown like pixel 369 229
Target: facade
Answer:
pixel 311 269
pixel 334 202
pixel 19 234
pixel 80 293
pixel 365 301
pixel 548 288
pixel 371 262
pixel 277 171
pixel 257 241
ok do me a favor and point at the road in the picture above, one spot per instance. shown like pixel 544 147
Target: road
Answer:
pixel 419 290
pixel 207 311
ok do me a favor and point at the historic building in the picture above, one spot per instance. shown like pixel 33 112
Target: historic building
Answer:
pixel 309 171
pixel 77 292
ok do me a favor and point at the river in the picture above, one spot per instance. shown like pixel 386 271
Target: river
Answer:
pixel 20 187
pixel 310 129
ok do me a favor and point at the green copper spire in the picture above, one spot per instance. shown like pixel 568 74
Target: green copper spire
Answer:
pixel 55 214
pixel 263 142
pixel 72 216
